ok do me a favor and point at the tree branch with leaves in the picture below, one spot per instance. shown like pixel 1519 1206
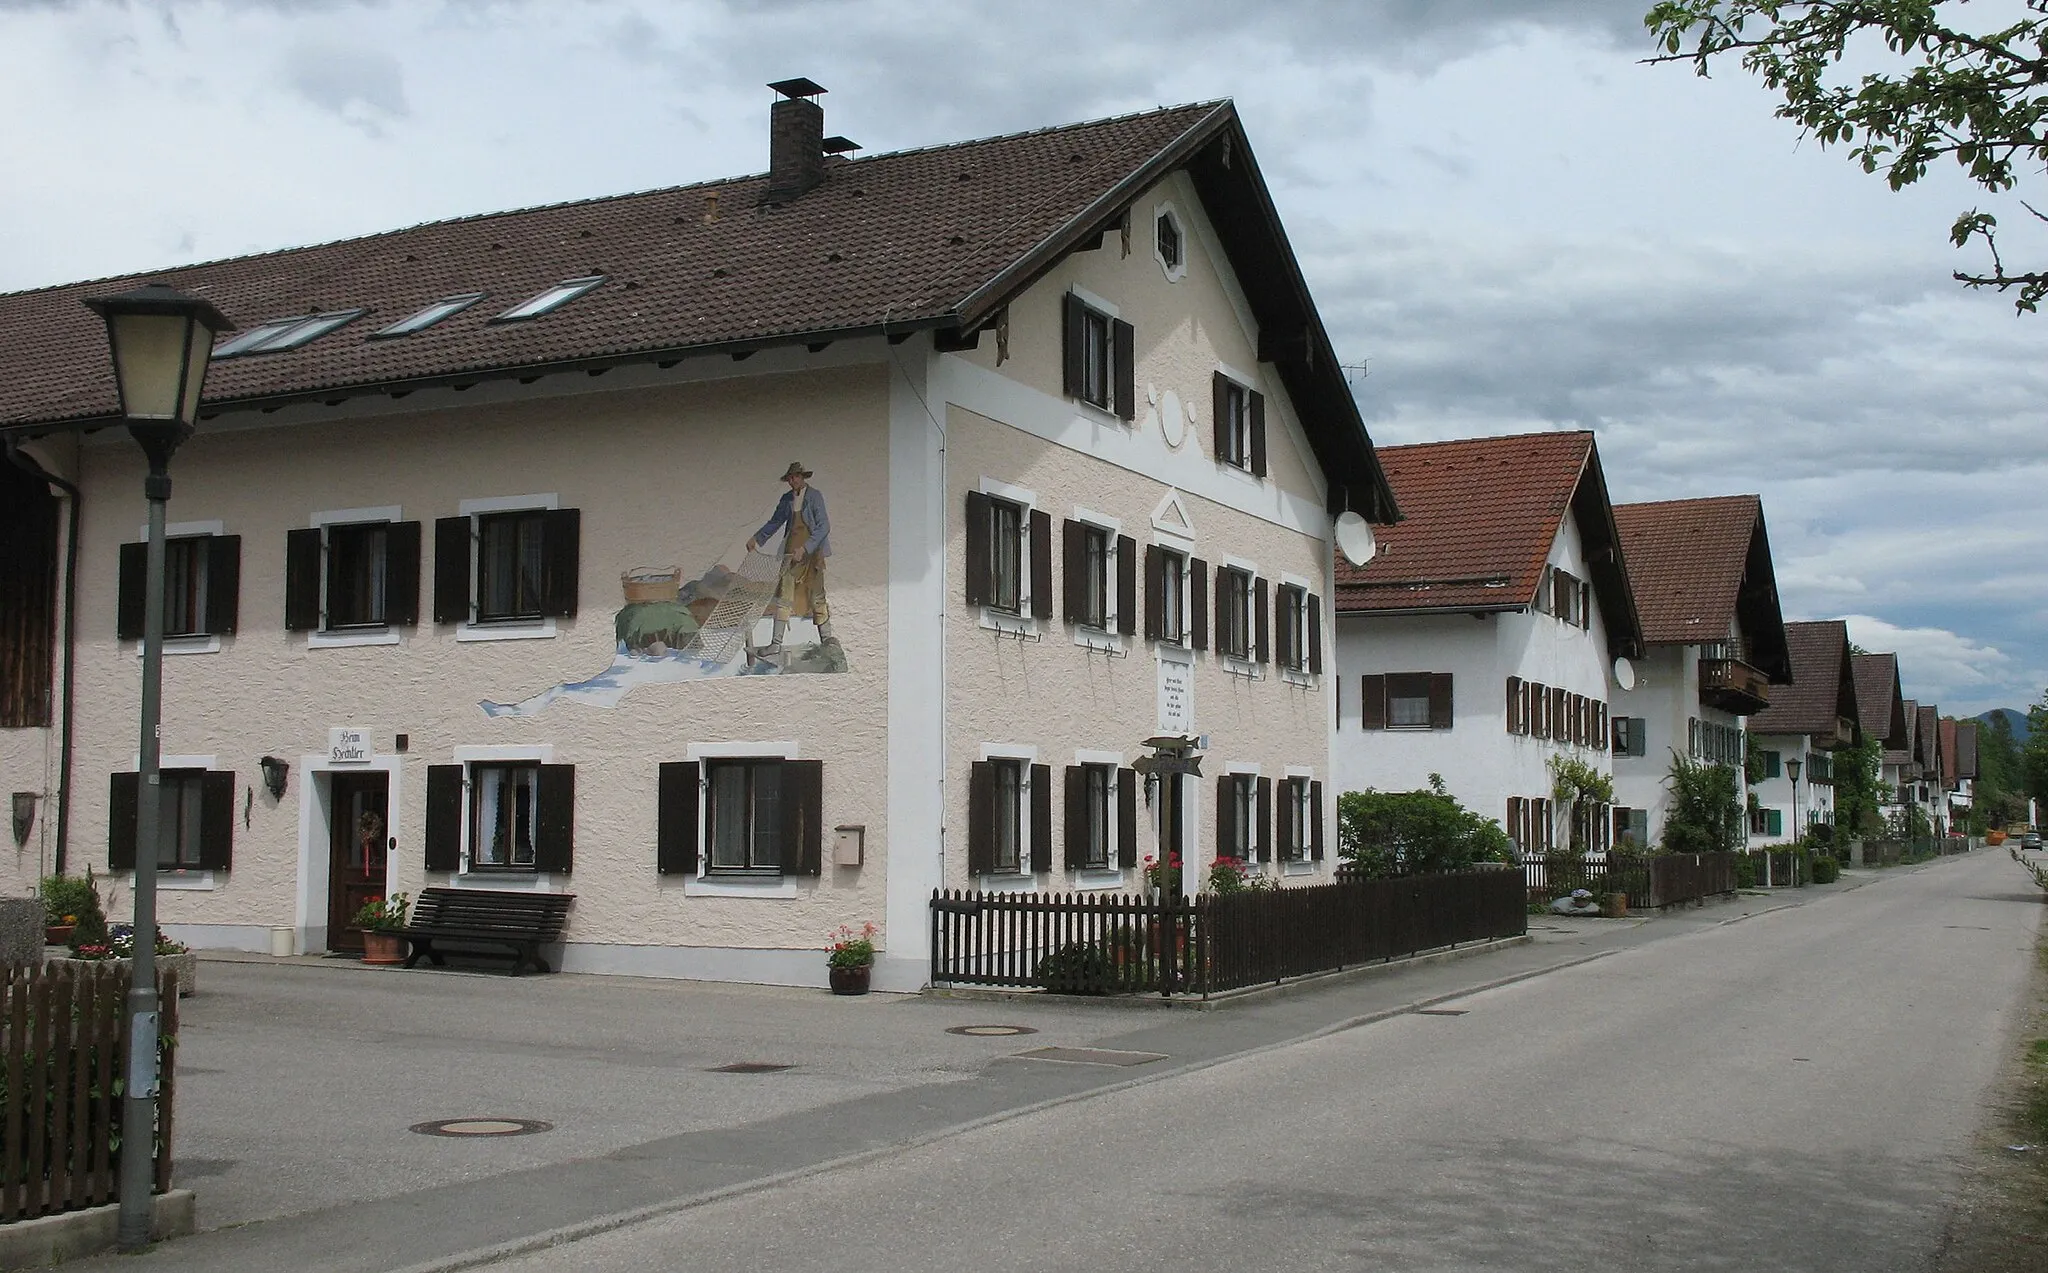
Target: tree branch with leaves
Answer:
pixel 1979 97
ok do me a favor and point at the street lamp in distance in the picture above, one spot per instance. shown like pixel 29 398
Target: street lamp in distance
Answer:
pixel 1792 768
pixel 161 339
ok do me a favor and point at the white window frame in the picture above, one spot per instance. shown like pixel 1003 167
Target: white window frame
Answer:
pixel 1021 880
pixel 499 630
pixel 1302 864
pixel 321 637
pixel 1165 210
pixel 205 643
pixel 1090 879
pixel 1023 623
pixel 497 877
pixel 1247 665
pixel 1106 638
pixel 1248 771
pixel 1300 673
pixel 181 879
pixel 1106 409
pixel 702 885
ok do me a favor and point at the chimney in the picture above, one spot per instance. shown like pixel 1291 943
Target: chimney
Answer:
pixel 796 140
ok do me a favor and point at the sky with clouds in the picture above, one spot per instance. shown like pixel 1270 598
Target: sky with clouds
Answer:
pixel 1507 219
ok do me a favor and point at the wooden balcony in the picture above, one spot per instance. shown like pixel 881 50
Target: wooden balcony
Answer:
pixel 1844 735
pixel 1733 686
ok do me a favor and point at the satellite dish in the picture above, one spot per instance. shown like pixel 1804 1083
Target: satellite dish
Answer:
pixel 1354 539
pixel 1624 674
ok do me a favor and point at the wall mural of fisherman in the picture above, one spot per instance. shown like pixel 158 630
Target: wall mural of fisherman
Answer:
pixel 711 626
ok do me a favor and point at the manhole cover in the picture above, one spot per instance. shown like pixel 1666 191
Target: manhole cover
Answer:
pixel 748 1067
pixel 1091 1056
pixel 990 1031
pixel 482 1127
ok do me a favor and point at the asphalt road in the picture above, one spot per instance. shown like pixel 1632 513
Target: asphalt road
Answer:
pixel 1788 1092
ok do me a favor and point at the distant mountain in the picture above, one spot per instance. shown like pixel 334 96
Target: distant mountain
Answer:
pixel 2017 719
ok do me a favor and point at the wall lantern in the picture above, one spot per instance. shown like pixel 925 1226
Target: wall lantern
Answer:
pixel 24 817
pixel 274 771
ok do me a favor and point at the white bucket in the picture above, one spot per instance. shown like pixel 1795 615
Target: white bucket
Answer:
pixel 283 942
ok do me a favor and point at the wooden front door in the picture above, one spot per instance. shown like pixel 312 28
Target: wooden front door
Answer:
pixel 355 862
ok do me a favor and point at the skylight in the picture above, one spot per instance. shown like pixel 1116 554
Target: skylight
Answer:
pixel 551 300
pixel 434 313
pixel 286 333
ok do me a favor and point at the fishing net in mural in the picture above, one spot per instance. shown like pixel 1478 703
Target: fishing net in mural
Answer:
pixel 728 629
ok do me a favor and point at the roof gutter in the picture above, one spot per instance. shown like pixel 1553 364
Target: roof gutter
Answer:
pixel 1504 608
pixel 334 394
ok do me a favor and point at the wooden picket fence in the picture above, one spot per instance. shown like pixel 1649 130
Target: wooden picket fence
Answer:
pixel 63 1061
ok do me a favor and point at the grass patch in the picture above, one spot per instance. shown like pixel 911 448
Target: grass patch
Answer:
pixel 2037 1052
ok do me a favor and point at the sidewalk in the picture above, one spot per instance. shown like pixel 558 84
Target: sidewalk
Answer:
pixel 299 1080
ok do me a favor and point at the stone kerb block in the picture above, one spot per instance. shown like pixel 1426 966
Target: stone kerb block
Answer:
pixel 21 931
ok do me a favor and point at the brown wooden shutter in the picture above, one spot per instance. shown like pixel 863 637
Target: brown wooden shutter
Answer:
pixel 216 819
pixel 1621 824
pixel 302 579
pixel 128 598
pixel 554 833
pixel 452 553
pixel 1439 700
pixel 1539 701
pixel 1315 822
pixel 1219 406
pixel 1315 635
pixel 402 574
pixel 1155 590
pixel 1284 638
pixel 561 554
pixel 223 583
pixel 1126 585
pixel 1197 593
pixel 1283 826
pixel 1041 819
pixel 1514 826
pixel 675 831
pixel 1264 831
pixel 1073 568
pixel 981 818
pixel 444 818
pixel 123 799
pixel 1586 606
pixel 803 817
pixel 1258 432
pixel 980 584
pixel 1226 819
pixel 1558 725
pixel 1074 831
pixel 1073 343
pixel 1126 818
pixel 1124 355
pixel 1514 702
pixel 1041 564
pixel 1262 620
pixel 1372 702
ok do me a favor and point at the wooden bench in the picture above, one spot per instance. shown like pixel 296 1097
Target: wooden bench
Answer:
pixel 520 922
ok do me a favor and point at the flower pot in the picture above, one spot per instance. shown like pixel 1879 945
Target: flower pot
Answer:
pixel 1615 905
pixel 58 934
pixel 382 948
pixel 851 980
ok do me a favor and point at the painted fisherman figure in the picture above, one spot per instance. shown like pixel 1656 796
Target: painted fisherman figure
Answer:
pixel 801 590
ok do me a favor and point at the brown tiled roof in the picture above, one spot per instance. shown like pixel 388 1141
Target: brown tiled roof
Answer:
pixel 1479 516
pixel 1823 683
pixel 1966 749
pixel 1878 704
pixel 1907 756
pixel 1700 566
pixel 933 238
pixel 1927 739
pixel 1948 751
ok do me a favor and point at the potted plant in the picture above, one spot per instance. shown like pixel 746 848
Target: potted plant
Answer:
pixel 67 899
pixel 380 919
pixel 850 959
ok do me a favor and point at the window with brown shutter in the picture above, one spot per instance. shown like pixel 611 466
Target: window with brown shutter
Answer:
pixel 1090 817
pixel 1099 358
pixel 1586 606
pixel 1234 613
pixel 1264 830
pixel 1000 817
pixel 1372 702
pixel 1315 821
pixel 1041 564
pixel 1262 626
pixel 1198 604
pixel 677 787
pixel 1126 585
pixel 1126 818
pixel 196 823
pixel 1539 710
pixel 351 577
pixel 1440 700
pixel 1041 819
pixel 1315 635
pixel 1518 704
pixel 1516 833
pixel 202 586
pixel 1560 723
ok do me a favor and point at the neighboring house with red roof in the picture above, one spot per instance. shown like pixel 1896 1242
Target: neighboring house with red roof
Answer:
pixel 748 558
pixel 1704 584
pixel 1961 739
pixel 1477 644
pixel 1795 737
pixel 1929 788
pixel 1881 707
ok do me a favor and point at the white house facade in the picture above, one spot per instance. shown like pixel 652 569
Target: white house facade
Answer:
pixel 1792 742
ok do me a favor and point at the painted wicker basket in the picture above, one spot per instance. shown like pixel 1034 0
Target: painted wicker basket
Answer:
pixel 642 584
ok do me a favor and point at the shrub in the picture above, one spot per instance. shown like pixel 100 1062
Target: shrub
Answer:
pixel 1825 869
pixel 1387 833
pixel 1705 815
pixel 1077 968
pixel 1745 870
pixel 67 895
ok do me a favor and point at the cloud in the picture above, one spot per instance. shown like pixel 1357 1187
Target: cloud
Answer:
pixel 1956 672
pixel 363 85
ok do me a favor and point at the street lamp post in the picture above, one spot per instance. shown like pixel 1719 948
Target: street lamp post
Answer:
pixel 1792 768
pixel 161 339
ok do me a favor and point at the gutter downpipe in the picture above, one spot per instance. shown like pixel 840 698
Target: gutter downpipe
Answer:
pixel 67 714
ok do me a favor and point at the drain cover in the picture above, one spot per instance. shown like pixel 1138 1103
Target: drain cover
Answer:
pixel 1440 1012
pixel 1091 1056
pixel 482 1127
pixel 748 1067
pixel 989 1031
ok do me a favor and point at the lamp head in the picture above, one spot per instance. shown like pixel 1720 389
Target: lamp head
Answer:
pixel 274 771
pixel 161 340
pixel 24 817
pixel 1792 768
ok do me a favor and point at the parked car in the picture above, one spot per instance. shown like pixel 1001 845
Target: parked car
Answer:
pixel 2031 840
